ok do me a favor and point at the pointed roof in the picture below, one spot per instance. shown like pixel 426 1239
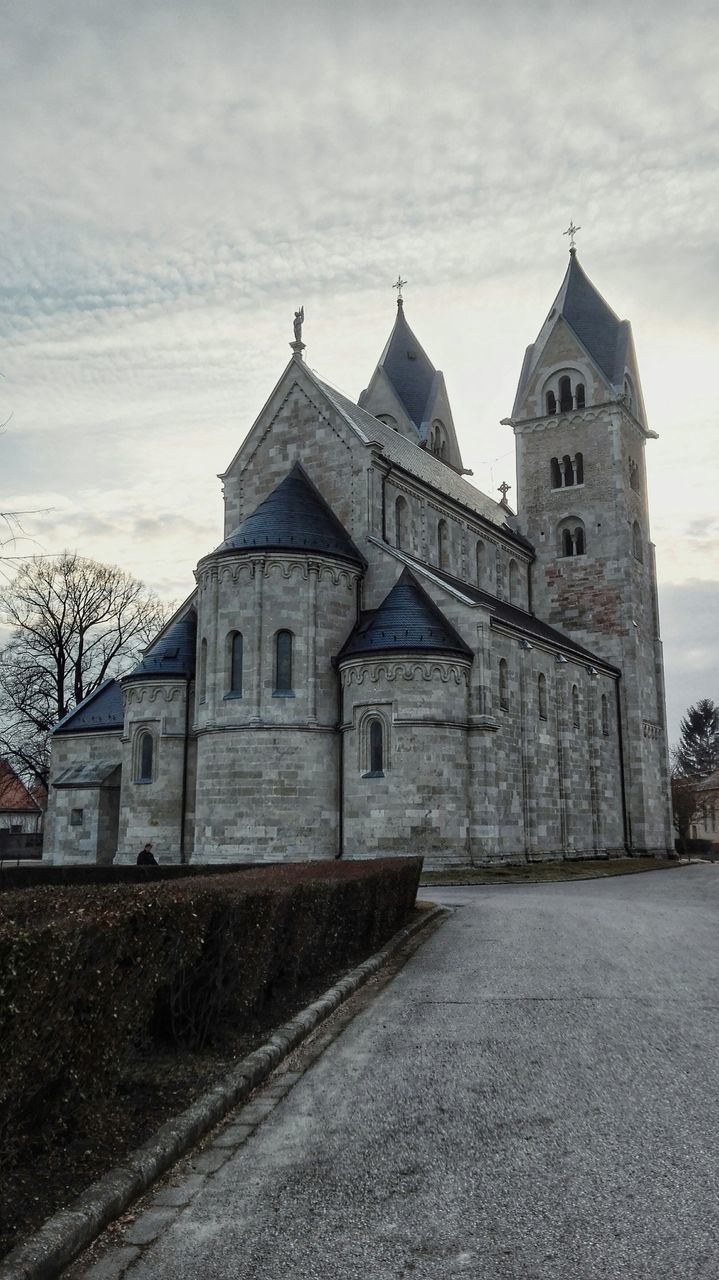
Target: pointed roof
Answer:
pixel 15 797
pixel 408 368
pixel 406 621
pixel 295 517
pixel 172 654
pixel 603 335
pixel 100 710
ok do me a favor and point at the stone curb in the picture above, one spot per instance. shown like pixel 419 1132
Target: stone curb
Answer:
pixel 63 1236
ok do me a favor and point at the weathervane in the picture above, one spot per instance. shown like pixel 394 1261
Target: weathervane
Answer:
pixel 504 488
pixel 571 232
pixel 399 285
pixel 298 345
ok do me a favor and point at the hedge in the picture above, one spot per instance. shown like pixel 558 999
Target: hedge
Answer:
pixel 87 973
pixel 124 873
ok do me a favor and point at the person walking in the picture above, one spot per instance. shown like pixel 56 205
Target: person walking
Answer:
pixel 146 857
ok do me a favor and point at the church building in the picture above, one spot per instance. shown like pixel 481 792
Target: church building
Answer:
pixel 378 658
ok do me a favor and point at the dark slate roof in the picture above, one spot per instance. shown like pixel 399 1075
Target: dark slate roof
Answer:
pixel 295 517
pixel 99 711
pixel 528 623
pixel 173 654
pixel 406 621
pixel 419 462
pixel 91 774
pixel 408 368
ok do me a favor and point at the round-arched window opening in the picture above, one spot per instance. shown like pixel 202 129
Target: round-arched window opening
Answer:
pixel 145 757
pixel 283 662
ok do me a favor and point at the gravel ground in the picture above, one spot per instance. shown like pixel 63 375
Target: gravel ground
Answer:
pixel 534 1095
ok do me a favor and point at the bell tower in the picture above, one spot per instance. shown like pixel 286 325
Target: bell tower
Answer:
pixel 581 431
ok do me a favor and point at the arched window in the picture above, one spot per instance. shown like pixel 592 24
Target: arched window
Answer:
pixel 575 706
pixel 628 393
pixel 605 716
pixel 401 513
pixel 579 468
pixel 567 544
pixel 437 442
pixel 234 654
pixel 283 662
pixel 503 684
pixel 480 563
pixel 565 395
pixel 568 470
pixel 388 420
pixel 637 542
pixel 376 748
pixel 542 695
pixel 202 682
pixel 571 537
pixel 513 582
pixel 580 395
pixel 551 402
pixel 579 541
pixel 634 475
pixel 556 473
pixel 442 544
pixel 145 757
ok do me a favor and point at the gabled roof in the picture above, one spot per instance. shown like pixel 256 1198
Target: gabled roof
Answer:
pixel 600 331
pixel 406 621
pixel 418 462
pixel 295 517
pixel 408 368
pixel 15 797
pixel 173 654
pixel 99 711
pixel 711 783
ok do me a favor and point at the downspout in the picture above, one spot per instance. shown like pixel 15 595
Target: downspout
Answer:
pixel 341 789
pixel 183 801
pixel 620 742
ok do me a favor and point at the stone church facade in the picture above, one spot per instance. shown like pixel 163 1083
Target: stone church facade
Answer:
pixel 378 658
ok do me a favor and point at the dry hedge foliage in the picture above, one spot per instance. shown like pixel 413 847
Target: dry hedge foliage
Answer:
pixel 87 973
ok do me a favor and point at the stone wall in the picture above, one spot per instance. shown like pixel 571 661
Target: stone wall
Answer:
pixel 81 822
pixel 152 810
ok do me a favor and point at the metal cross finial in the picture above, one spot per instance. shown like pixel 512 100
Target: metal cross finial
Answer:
pixel 571 232
pixel 504 490
pixel 399 285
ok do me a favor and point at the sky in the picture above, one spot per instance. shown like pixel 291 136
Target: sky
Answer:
pixel 178 179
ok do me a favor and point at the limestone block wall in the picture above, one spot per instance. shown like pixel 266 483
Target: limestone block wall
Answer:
pixel 152 809
pixel 420 803
pixel 94 837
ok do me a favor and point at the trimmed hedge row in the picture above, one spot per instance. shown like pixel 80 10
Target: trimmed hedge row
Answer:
pixel 130 873
pixel 88 973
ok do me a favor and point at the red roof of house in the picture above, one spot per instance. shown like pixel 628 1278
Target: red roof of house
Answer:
pixel 14 795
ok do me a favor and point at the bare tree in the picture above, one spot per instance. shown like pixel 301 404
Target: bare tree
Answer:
pixel 684 805
pixel 74 623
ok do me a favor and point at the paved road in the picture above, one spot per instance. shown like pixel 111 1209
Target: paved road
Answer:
pixel 534 1095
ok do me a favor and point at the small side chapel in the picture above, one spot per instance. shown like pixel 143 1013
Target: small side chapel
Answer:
pixel 378 658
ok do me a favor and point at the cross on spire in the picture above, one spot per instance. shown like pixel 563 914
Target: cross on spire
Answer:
pixel 504 488
pixel 571 232
pixel 399 285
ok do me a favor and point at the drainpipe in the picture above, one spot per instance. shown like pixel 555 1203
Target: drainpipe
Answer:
pixel 620 742
pixel 341 784
pixel 183 801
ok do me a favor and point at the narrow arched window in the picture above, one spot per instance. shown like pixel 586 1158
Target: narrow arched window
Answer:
pixel 235 663
pixel 513 582
pixel 568 470
pixel 565 395
pixel 542 696
pixel 376 747
pixel 605 716
pixel 283 662
pixel 145 755
pixel 579 541
pixel 580 396
pixel 480 563
pixel 637 542
pixel 203 672
pixel 556 473
pixel 579 468
pixel 575 706
pixel 503 684
pixel 551 402
pixel 442 538
pixel 628 394
pixel 567 544
pixel 400 523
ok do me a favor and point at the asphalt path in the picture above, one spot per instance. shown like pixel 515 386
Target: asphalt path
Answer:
pixel 534 1095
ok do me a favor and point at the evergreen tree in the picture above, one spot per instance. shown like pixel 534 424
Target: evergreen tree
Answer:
pixel 697 754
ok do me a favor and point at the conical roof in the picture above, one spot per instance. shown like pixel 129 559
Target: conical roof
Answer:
pixel 100 710
pixel 173 654
pixel 295 517
pixel 598 328
pixel 407 621
pixel 408 368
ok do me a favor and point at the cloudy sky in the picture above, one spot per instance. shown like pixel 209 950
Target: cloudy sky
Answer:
pixel 178 178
